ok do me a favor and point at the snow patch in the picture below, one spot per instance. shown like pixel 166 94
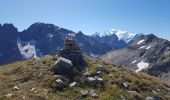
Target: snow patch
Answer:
pixel 50 35
pixel 142 65
pixel 133 62
pixel 94 55
pixel 27 50
pixel 142 47
pixel 141 41
pixel 148 47
pixel 124 35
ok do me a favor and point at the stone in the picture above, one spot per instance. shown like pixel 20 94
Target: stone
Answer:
pixel 59 81
pixel 45 90
pixel 125 84
pixel 63 66
pixel 84 93
pixel 98 78
pixel 59 84
pixel 91 79
pixel 149 98
pixel 86 74
pixel 9 95
pixel 98 72
pixel 93 94
pixel 32 90
pixel 154 92
pixel 100 68
pixel 132 92
pixel 73 84
pixel 59 77
pixel 23 97
pixel 16 88
pixel 158 90
pixel 110 75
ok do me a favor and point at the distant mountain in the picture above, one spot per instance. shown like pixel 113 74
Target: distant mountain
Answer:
pixel 116 38
pixel 42 39
pixel 8 46
pixel 148 53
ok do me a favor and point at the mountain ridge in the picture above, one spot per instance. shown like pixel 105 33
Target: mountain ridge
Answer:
pixel 150 52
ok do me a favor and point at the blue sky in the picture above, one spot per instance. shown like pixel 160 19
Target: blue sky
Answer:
pixel 90 16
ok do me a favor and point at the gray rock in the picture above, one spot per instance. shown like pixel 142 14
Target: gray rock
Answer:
pixel 126 84
pixel 93 94
pixel 59 84
pixel 32 89
pixel 149 98
pixel 16 88
pixel 9 95
pixel 91 79
pixel 84 93
pixel 63 66
pixel 73 84
pixel 86 74
pixel 132 92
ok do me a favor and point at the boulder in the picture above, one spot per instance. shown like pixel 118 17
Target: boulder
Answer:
pixel 59 84
pixel 63 66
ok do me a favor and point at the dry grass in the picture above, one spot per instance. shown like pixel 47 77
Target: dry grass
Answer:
pixel 36 73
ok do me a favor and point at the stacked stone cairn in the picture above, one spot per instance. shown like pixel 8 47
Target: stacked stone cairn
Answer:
pixel 70 62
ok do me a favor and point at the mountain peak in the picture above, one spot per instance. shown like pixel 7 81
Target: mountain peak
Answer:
pixel 122 35
pixel 40 24
pixel 8 26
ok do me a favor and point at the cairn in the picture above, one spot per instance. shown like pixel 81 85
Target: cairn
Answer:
pixel 72 52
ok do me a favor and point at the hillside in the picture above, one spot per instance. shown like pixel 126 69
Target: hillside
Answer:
pixel 148 53
pixel 33 80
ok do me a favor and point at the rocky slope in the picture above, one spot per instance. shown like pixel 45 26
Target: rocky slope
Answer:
pixel 34 79
pixel 148 53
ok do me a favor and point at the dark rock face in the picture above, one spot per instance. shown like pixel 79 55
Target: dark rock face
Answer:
pixel 72 52
pixel 8 47
pixel 48 37
pixel 87 44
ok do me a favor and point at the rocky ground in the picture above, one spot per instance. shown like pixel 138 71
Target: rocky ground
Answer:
pixel 34 80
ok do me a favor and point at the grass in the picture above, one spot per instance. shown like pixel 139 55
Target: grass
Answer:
pixel 36 73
